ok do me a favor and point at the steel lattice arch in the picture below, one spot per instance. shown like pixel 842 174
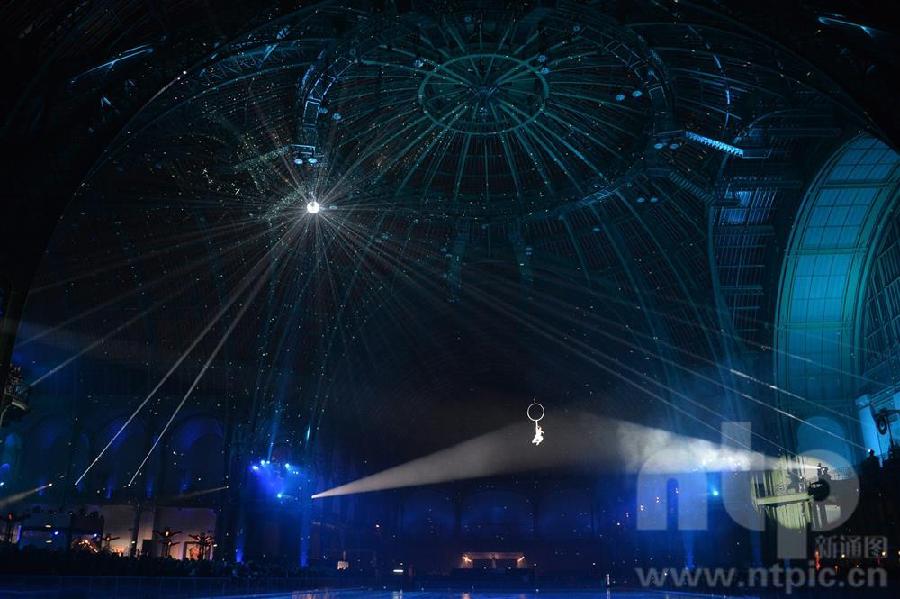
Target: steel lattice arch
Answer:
pixel 383 208
pixel 587 153
pixel 476 114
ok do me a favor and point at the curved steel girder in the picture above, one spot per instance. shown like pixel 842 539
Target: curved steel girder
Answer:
pixel 753 38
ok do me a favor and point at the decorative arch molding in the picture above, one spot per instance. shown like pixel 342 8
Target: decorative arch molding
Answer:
pixel 192 455
pixel 819 318
pixel 122 457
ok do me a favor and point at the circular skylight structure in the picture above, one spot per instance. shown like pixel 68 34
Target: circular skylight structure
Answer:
pixel 483 115
pixel 481 94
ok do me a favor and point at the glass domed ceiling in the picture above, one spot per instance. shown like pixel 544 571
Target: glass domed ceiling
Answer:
pixel 480 114
pixel 406 130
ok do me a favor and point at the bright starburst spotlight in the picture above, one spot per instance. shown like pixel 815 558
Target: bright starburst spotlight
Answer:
pixel 313 207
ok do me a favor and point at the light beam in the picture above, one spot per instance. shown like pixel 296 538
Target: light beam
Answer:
pixel 579 441
pixel 17 497
pixel 245 282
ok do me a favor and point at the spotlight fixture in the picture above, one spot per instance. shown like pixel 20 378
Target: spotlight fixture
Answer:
pixel 313 207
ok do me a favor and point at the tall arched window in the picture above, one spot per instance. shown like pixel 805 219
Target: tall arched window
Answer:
pixel 819 326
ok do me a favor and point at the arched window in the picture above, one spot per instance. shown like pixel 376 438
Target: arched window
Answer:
pixel 823 283
pixel 194 456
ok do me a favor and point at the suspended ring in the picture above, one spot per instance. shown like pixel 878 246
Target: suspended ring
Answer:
pixel 532 418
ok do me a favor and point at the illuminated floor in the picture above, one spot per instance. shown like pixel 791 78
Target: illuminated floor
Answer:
pixel 372 594
pixel 87 587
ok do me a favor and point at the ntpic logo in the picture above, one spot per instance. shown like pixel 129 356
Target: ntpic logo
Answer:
pixel 776 576
pixel 855 547
pixel 832 495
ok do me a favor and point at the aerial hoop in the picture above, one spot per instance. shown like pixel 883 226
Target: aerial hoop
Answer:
pixel 536 407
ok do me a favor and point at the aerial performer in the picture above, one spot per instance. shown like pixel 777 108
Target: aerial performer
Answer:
pixel 532 412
